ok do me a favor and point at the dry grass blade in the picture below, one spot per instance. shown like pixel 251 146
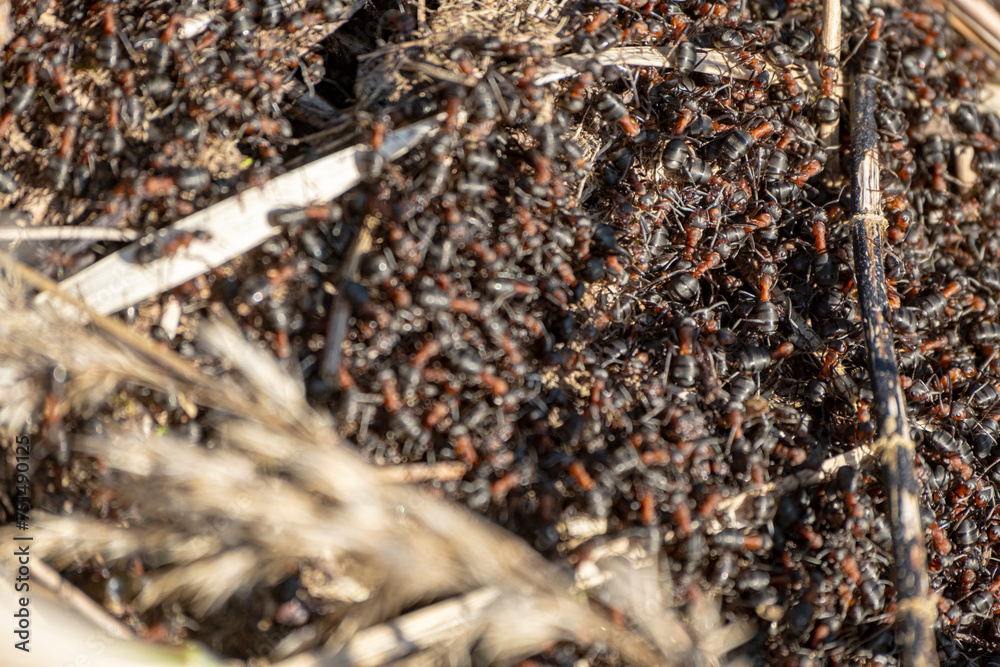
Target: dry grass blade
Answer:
pixel 79 538
pixel 224 341
pixel 233 226
pixel 50 336
pixel 207 583
pixel 916 611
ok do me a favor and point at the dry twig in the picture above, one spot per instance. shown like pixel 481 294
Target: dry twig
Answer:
pixel 916 611
pixel 340 312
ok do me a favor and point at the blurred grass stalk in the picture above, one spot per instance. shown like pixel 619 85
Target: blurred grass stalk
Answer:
pixel 210 533
pixel 978 22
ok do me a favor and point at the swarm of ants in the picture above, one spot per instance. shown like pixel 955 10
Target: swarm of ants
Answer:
pixel 626 296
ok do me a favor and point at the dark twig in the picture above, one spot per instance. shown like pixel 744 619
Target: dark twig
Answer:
pixel 915 610
pixel 340 310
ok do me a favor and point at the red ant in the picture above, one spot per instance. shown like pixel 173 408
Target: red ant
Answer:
pixel 811 167
pixel 157 246
pixel 793 88
pixel 831 358
pixel 576 98
pixel 465 450
pixel 596 23
pixel 500 488
pixel 582 477
pixel 20 98
pixel 59 167
pixel 878 22
pixel 712 260
pixel 379 128
pixel 437 413
pixel 763 130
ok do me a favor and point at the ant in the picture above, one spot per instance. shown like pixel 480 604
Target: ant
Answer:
pixel 20 98
pixel 157 246
pixel 59 167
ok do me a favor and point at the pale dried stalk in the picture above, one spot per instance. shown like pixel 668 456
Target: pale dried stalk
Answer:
pixel 66 233
pixel 978 22
pixel 829 133
pixel 69 628
pixel 6 32
pixel 415 473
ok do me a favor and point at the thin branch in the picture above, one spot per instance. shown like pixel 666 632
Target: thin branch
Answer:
pixel 915 612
